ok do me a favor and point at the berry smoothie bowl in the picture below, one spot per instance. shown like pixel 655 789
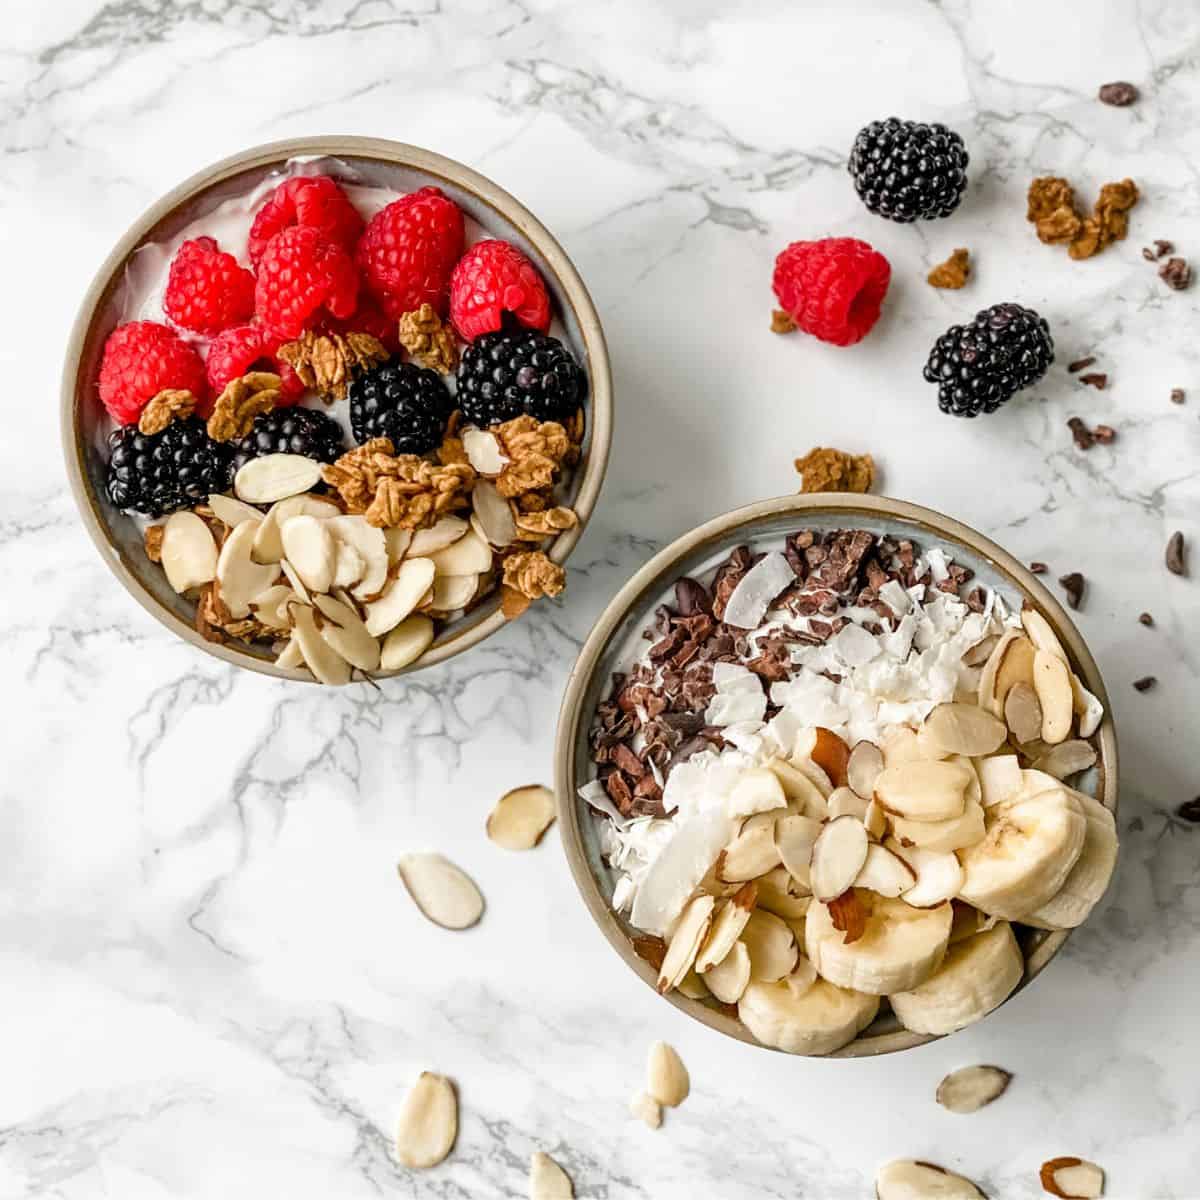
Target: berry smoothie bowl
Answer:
pixel 337 408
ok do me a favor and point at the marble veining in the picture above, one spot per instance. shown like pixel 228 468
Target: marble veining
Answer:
pixel 215 985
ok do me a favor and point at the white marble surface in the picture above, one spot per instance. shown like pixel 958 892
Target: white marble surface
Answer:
pixel 214 985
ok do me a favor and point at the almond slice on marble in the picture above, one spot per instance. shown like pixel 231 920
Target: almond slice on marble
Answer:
pixel 345 632
pixel 231 511
pixel 863 768
pixel 666 1077
pixel 371 544
pixel 772 945
pixel 1023 712
pixel 496 523
pixel 309 546
pixel 428 1122
pixel 939 875
pixel 751 853
pixel 757 790
pixel 319 656
pixel 275 477
pixel 965 729
pixel 728 922
pixel 443 533
pixel 189 554
pixel 348 565
pixel 1052 682
pixel 547 1180
pixel 969 1089
pixel 885 873
pixel 268 544
pixel 924 791
pixel 845 801
pixel 270 607
pixel 453 592
pixel 290 657
pixel 239 577
pixel 795 836
pixel 406 643
pixel 779 893
pixel 469 555
pixel 838 856
pixel 1072 1178
pixel 444 893
pixel 1066 759
pixel 413 579
pixel 646 1109
pixel 685 942
pixel 482 448
pixel 999 777
pixel 729 978
pixel 911 1179
pixel 1041 634
pixel 521 816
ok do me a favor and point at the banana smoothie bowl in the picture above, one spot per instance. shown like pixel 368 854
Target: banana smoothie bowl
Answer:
pixel 836 775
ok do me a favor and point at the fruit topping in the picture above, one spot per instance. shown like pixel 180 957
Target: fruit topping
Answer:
pixel 503 375
pixel 142 359
pixel 907 171
pixel 491 279
pixel 301 275
pixel 303 431
pixel 207 291
pixel 159 473
pixel 833 288
pixel 316 201
pixel 403 402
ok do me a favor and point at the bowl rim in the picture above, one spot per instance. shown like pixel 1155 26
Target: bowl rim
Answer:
pixel 439 168
pixel 650 576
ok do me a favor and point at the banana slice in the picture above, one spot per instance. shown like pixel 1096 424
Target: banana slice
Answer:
pixel 1089 878
pixel 977 975
pixel 817 1019
pixel 1031 845
pixel 900 947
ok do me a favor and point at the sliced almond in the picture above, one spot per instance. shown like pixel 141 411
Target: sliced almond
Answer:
pixel 751 853
pixel 844 801
pixel 772 946
pixel 910 1179
pixel 666 1077
pixel 344 631
pixel 848 915
pixel 413 578
pixel 428 1122
pixel 397 542
pixel 795 836
pixel 275 477
pixel 482 448
pixel 969 1089
pixel 232 512
pixel 899 745
pixel 349 566
pixel 445 532
pixel 1066 759
pixel 646 1109
pixel 1072 1178
pixel 1088 708
pixel 268 544
pixel 727 925
pixel 289 658
pixel 885 873
pixel 547 1180
pixel 999 778
pixel 943 836
pixel 1052 681
pixel 961 729
pixel 693 986
pixel 1014 656
pixel 863 768
pixel 924 791
pixel 1041 634
pixel 453 592
pixel 800 787
pixel 981 651
pixel 496 523
pixel 875 820
pixel 1023 712
pixel 270 607
pixel 294 581
pixel 685 942
pixel 729 978
pixel 309 547
pixel 189 554
pixel 939 875
pixel 406 643
pixel 757 790
pixel 470 555
pixel 240 578
pixel 521 816
pixel 370 544
pixel 319 656
pixel 444 893
pixel 827 750
pixel 778 892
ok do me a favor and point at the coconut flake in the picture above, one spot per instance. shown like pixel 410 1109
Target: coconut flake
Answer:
pixel 760 585
pixel 729 708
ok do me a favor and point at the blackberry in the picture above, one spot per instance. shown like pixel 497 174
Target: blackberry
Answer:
pixel 289 431
pixel 401 401
pixel 505 374
pixel 158 473
pixel 977 367
pixel 906 171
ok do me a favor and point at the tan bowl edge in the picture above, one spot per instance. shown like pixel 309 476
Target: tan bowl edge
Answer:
pixel 437 167
pixel 571 715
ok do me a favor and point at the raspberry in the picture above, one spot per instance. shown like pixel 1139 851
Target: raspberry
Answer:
pixel 833 288
pixel 142 359
pixel 316 201
pixel 246 348
pixel 368 318
pixel 408 251
pixel 493 278
pixel 206 289
pixel 300 273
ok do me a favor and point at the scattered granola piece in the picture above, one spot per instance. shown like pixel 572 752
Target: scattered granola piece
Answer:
pixel 1051 209
pixel 512 602
pixel 1178 396
pixel 532 574
pixel 1038 568
pixel 1080 363
pixel 1119 94
pixel 172 404
pixel 1175 557
pixel 1073 584
pixel 1145 683
pixel 1145 619
pixel 781 322
pixel 953 272
pixel 824 469
pixel 1050 206
pixel 547 523
pixel 1155 251
pixel 1175 273
pixel 326 362
pixel 243 399
pixel 535 450
pixel 152 540
pixel 1109 221
pixel 430 342
pixel 1096 379
pixel 1081 433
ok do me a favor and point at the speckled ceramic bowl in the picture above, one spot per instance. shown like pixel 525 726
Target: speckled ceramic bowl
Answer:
pixel 373 162
pixel 693 554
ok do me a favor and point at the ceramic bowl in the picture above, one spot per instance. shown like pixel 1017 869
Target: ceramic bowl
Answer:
pixel 369 161
pixel 702 549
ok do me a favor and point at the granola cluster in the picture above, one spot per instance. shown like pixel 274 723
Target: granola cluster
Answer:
pixel 428 340
pixel 242 400
pixel 1052 210
pixel 827 470
pixel 173 404
pixel 326 362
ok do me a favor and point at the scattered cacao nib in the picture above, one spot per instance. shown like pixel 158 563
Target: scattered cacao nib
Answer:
pixel 1175 273
pixel 1038 568
pixel 1104 434
pixel 1073 584
pixel 1154 252
pixel 1177 396
pixel 1145 619
pixel 1145 683
pixel 1081 433
pixel 1119 94
pixel 1096 379
pixel 1176 554
pixel 1189 810
pixel 1080 363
